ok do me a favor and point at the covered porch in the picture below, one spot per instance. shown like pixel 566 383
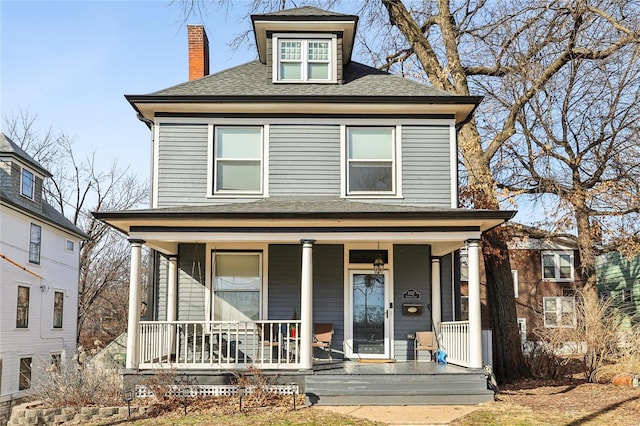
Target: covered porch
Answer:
pixel 234 289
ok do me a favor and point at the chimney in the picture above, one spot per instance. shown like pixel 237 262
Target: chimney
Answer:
pixel 198 52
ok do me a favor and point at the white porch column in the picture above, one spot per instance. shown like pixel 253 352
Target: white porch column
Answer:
pixel 436 304
pixel 172 288
pixel 135 288
pixel 475 324
pixel 306 305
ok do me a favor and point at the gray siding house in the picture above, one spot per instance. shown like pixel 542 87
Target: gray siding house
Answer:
pixel 298 190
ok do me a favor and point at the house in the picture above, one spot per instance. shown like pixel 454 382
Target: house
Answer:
pixel 39 269
pixel 298 189
pixel 618 280
pixel 545 279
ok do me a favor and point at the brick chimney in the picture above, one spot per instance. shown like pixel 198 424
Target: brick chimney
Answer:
pixel 198 52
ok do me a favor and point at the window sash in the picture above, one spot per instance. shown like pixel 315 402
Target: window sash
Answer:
pixel 371 160
pixel 304 60
pixel 559 312
pixel 27 187
pixel 238 155
pixel 22 307
pixel 58 309
pixel 35 240
pixel 557 266
pixel 237 286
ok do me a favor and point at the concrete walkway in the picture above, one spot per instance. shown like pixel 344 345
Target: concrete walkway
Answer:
pixel 423 415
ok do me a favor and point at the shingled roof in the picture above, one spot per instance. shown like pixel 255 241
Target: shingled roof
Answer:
pixel 254 79
pixel 306 11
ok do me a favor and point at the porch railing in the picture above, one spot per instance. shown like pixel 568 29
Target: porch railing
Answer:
pixel 455 342
pixel 219 344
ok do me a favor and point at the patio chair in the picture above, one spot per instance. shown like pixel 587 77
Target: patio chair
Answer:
pixel 425 341
pixel 322 336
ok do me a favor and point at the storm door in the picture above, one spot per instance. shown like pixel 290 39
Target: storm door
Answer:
pixel 370 311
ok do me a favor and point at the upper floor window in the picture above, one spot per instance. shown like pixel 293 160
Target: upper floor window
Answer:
pixel 58 309
pixel 22 307
pixel 238 160
pixel 69 245
pixel 557 266
pixel 27 185
pixel 559 312
pixel 237 286
pixel 35 237
pixel 299 60
pixel 371 160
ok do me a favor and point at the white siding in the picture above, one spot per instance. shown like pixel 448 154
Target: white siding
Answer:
pixel 59 268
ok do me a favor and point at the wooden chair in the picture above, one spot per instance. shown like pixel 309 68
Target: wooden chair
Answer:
pixel 425 341
pixel 322 336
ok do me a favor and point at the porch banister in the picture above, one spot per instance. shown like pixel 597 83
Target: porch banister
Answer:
pixel 436 305
pixel 306 306
pixel 475 324
pixel 134 303
pixel 172 288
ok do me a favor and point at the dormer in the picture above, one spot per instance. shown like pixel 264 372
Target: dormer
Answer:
pixel 305 45
pixel 21 176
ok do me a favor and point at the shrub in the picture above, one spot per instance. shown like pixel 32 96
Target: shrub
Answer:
pixel 75 384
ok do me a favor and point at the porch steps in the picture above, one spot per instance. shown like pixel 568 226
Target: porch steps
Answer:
pixel 398 388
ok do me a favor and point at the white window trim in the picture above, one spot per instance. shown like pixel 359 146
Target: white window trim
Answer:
pixel 556 264
pixel 516 289
pixel 522 327
pixel 213 167
pixel 53 310
pixel 396 168
pixel 33 184
pixel 559 300
pixel 31 227
pixel 263 277
pixel 305 39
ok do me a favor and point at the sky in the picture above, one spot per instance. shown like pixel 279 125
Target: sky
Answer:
pixel 70 63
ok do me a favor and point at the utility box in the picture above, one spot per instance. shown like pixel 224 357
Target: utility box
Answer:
pixel 412 309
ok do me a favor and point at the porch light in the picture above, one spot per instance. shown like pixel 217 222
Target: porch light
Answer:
pixel 378 266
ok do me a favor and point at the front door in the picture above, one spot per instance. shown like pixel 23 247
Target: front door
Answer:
pixel 369 331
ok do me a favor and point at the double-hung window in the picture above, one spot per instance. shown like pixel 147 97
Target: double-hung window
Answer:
pixel 559 312
pixel 27 184
pixel 238 160
pixel 35 239
pixel 237 286
pixel 557 266
pixel 58 309
pixel 304 60
pixel 371 161
pixel 22 307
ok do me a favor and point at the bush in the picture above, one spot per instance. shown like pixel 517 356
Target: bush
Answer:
pixel 76 384
pixel 595 343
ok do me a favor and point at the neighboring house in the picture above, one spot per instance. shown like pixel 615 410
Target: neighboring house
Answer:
pixel 545 279
pixel 618 279
pixel 39 269
pixel 304 188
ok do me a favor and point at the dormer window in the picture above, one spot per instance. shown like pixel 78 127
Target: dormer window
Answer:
pixel 27 184
pixel 304 59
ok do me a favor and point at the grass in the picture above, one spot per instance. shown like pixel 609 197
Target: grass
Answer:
pixel 255 417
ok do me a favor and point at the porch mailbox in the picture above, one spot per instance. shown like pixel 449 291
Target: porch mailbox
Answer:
pixel 412 309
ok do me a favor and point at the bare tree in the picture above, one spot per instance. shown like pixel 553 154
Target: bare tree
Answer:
pixel 509 52
pixel 78 187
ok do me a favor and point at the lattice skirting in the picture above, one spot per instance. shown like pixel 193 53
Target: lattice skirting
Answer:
pixel 142 391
